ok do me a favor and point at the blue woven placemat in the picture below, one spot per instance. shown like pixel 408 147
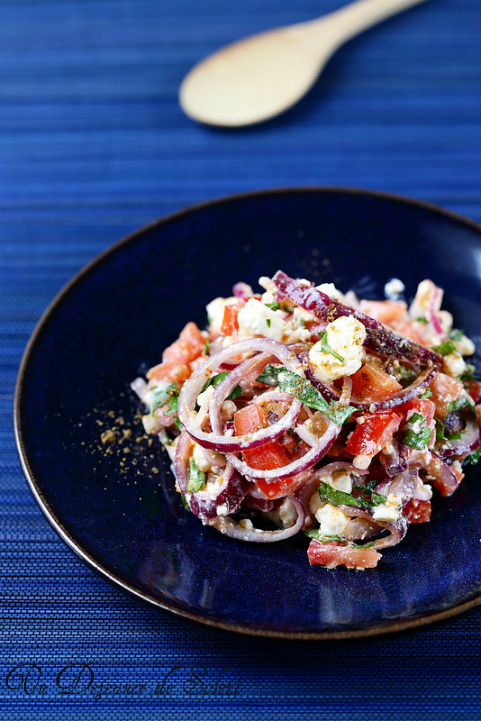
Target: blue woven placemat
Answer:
pixel 92 146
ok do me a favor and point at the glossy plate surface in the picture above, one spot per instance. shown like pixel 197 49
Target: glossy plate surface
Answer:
pixel 115 504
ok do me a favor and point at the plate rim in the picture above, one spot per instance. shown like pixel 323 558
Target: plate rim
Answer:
pixel 388 627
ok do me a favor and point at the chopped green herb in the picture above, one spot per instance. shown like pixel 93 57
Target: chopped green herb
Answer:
pixel 326 348
pixel 445 348
pixel 302 389
pixel 184 502
pixel 235 393
pixel 456 335
pixel 206 347
pixel 416 417
pixel 196 477
pixel 440 435
pixel 427 394
pixel 268 321
pixel 316 535
pixel 273 306
pixel 339 498
pixel 421 319
pixel 162 395
pixel 473 458
pixel 468 375
pixel 178 423
pixel 419 441
pixel 299 322
pixel 458 404
pixel 407 375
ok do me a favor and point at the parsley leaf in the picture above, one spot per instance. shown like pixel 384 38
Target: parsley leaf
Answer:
pixel 473 458
pixel 416 417
pixel 427 394
pixel 339 498
pixel 456 335
pixel 315 533
pixel 326 348
pixel 299 322
pixel 445 348
pixel 196 477
pixel 419 441
pixel 458 404
pixel 162 395
pixel 184 502
pixel 273 306
pixel 302 389
pixel 421 319
pixel 206 347
pixel 268 321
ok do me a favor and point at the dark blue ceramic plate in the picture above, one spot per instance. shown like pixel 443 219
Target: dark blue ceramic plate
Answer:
pixel 115 506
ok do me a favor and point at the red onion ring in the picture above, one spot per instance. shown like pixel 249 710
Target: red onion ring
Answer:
pixel 469 442
pixel 231 528
pixel 294 468
pixel 432 312
pixel 378 337
pixel 444 480
pixel 193 386
pixel 330 392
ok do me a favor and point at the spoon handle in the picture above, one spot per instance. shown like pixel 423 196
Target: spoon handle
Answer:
pixel 358 16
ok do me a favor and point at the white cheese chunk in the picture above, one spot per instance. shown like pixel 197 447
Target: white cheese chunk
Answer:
pixel 453 364
pixel 200 460
pixel 394 288
pixel 215 311
pixel 345 336
pixel 332 521
pixel 330 290
pixel 390 511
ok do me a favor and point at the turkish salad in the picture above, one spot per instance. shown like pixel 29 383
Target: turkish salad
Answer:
pixel 301 409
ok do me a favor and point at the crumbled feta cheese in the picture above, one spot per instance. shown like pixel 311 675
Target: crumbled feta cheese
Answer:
pixel 332 521
pixel 287 513
pixel 340 480
pixel 330 290
pixel 257 320
pixel 394 288
pixel 246 523
pixel 200 460
pixel 390 511
pixel 362 461
pixel 453 364
pixel 345 336
pixel 151 424
pixel 222 510
pixel 465 346
pixel 228 410
pixel 214 484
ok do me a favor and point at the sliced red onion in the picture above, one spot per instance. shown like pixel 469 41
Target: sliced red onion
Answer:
pixel 396 461
pixel 432 312
pixel 378 337
pixel 397 530
pixel 242 290
pixel 339 466
pixel 402 485
pixel 272 396
pixel 468 443
pixel 443 479
pixel 231 528
pixel 202 504
pixel 193 386
pixel 294 468
pixel 330 392
pixel 257 500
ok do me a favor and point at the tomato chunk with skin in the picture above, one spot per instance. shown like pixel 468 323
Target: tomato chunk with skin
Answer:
pixel 371 435
pixel 266 457
pixel 444 389
pixel 423 406
pixel 230 324
pixel 370 383
pixel 332 555
pixel 474 390
pixel 418 511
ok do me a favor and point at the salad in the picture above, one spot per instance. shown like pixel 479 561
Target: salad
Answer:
pixel 305 410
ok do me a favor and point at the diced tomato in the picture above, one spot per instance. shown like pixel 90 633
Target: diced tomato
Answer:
pixel 418 511
pixel 370 383
pixel 474 390
pixel 423 406
pixel 230 324
pixel 409 328
pixel 172 372
pixel 371 435
pixel 384 311
pixel 332 555
pixel 478 413
pixel 267 457
pixel 189 346
pixel 445 389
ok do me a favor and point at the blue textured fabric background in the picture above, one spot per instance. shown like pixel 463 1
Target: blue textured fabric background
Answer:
pixel 93 145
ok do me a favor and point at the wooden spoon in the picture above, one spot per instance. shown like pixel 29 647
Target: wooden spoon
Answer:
pixel 261 76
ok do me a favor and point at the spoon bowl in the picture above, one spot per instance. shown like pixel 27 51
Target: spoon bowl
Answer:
pixel 254 79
